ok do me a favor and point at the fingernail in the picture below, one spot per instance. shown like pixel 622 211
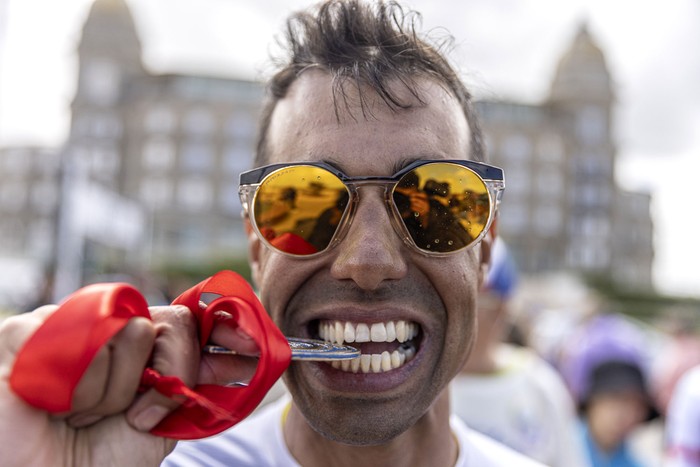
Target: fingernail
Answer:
pixel 150 417
pixel 221 315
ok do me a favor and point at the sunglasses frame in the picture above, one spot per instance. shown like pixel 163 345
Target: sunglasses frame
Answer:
pixel 491 176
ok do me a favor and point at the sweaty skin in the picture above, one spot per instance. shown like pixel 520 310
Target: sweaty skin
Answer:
pixel 400 417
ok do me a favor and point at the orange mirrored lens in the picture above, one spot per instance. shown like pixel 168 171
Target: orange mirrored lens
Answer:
pixel 444 206
pixel 298 209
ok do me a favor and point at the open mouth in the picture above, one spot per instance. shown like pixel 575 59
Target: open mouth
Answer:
pixel 385 346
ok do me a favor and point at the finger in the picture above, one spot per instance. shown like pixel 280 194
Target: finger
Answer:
pixel 175 353
pixel 93 384
pixel 15 330
pixel 229 369
pixel 177 342
pixel 127 355
pixel 228 334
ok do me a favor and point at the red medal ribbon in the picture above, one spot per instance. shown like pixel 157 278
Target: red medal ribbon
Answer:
pixel 53 360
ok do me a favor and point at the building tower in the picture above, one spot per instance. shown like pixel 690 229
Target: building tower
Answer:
pixel 581 102
pixel 562 209
pixel 109 56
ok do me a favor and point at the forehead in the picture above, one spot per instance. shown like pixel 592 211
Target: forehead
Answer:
pixel 359 133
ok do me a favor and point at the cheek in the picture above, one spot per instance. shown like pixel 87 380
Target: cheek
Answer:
pixel 458 285
pixel 270 288
pixel 278 279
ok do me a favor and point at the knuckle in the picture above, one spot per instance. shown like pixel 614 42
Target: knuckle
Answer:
pixel 176 348
pixel 15 330
pixel 23 323
pixel 176 316
pixel 138 332
pixel 177 322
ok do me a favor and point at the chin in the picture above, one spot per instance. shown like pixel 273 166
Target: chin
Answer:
pixel 360 433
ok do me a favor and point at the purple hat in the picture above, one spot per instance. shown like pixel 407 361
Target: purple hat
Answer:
pixel 606 338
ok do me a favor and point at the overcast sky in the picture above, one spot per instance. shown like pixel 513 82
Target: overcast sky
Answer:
pixel 505 49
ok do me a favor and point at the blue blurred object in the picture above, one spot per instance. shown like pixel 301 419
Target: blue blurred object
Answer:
pixel 503 274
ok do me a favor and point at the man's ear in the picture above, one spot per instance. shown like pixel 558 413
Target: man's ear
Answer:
pixel 254 246
pixel 486 248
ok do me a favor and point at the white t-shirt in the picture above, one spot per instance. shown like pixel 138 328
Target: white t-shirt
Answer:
pixel 525 406
pixel 258 442
pixel 683 422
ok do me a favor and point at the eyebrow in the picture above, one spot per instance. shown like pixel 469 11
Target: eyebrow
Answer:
pixel 405 162
pixel 398 165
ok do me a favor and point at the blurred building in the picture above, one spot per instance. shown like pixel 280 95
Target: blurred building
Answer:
pixel 174 144
pixel 149 173
pixel 562 208
pixel 29 195
pixel 28 201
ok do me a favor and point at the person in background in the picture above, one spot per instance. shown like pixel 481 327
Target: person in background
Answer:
pixel 678 355
pixel 683 422
pixel 508 392
pixel 605 368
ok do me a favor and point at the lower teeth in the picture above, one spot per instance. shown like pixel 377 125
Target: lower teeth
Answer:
pixel 378 363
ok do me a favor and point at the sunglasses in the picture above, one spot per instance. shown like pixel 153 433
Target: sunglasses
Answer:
pixel 437 207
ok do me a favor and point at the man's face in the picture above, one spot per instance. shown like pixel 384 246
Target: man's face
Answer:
pixel 371 278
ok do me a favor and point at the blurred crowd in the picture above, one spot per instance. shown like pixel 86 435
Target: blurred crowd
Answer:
pixel 559 375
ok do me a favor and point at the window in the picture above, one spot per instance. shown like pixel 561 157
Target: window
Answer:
pixel 238 157
pixel 44 196
pixel 160 119
pixel 550 148
pixel 591 125
pixel 47 163
pixel 547 219
pixel 156 192
pixel 41 237
pixel 13 195
pixel 549 183
pixel 590 195
pixel 513 217
pixel 197 157
pixel 589 226
pixel 102 81
pixel 16 161
pixel 106 126
pixel 158 154
pixel 516 147
pixel 105 160
pixel 591 163
pixel 79 157
pixel 12 235
pixel 517 181
pixel 199 122
pixel 241 126
pixel 195 194
pixel 82 123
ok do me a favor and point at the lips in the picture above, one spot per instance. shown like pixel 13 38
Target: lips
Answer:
pixel 385 346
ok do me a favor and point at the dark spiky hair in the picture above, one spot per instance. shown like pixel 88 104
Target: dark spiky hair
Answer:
pixel 368 45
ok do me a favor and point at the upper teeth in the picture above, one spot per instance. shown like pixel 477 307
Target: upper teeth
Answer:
pixel 347 331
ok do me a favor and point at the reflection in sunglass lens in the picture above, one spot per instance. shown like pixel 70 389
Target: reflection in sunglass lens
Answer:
pixel 444 206
pixel 297 209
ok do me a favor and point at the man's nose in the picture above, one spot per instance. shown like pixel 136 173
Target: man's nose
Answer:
pixel 371 251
